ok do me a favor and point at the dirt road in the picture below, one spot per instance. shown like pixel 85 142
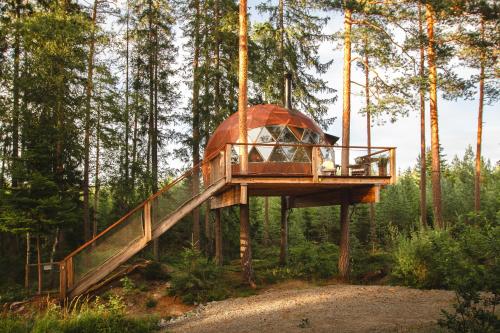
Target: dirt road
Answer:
pixel 335 308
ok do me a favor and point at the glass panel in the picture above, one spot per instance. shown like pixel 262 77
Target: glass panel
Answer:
pixel 235 158
pixel 301 155
pixel 289 152
pixel 315 137
pixel 297 131
pixel 265 151
pixel 275 131
pixel 278 155
pixel 253 134
pixel 254 156
pixel 265 136
pixel 108 245
pixel 286 136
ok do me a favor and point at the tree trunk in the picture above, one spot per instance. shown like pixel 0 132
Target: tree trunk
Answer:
pixel 27 266
pixel 245 246
pixel 39 264
pixel 346 124
pixel 284 232
pixel 281 50
pixel 196 123
pixel 423 166
pixel 15 97
pixel 477 176
pixel 127 93
pixel 218 238
pixel 373 232
pixel 97 166
pixel 135 134
pixel 88 100
pixel 267 240
pixel 436 167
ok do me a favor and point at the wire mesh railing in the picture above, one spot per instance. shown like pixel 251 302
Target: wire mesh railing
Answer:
pixel 134 230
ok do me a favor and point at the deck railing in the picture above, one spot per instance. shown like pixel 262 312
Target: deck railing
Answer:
pixel 283 159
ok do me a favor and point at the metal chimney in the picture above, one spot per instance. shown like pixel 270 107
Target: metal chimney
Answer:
pixel 288 91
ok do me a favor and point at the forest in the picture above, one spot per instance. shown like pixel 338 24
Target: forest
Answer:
pixel 105 102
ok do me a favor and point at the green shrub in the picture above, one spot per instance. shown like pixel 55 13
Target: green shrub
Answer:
pixel 198 279
pixel 12 293
pixel 154 272
pixel 449 258
pixel 367 266
pixel 314 261
pixel 128 285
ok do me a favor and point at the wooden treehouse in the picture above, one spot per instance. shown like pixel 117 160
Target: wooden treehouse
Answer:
pixel 286 154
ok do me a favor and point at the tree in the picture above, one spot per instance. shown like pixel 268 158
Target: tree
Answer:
pixel 245 246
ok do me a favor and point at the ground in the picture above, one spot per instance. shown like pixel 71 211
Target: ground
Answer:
pixel 299 307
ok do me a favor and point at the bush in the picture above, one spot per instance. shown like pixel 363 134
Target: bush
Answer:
pixel 198 279
pixel 154 272
pixel 449 258
pixel 314 261
pixel 367 267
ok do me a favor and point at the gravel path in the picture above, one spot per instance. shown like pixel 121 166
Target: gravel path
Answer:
pixel 335 308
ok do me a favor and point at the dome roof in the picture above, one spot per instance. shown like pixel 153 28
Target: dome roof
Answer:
pixel 258 116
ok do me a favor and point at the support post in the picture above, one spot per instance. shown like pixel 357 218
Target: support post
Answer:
pixel 228 163
pixel 218 238
pixel 284 231
pixel 62 280
pixel 343 264
pixel 245 246
pixel 393 165
pixel 315 164
pixel 147 223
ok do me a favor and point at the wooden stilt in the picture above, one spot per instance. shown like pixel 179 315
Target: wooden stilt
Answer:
pixel 284 231
pixel 344 241
pixel 218 238
pixel 245 246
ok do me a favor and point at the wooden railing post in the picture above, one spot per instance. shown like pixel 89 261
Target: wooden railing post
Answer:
pixel 315 164
pixel 393 165
pixel 63 286
pixel 228 163
pixel 147 221
pixel 69 273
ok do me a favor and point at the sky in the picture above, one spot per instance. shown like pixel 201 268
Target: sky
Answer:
pixel 457 120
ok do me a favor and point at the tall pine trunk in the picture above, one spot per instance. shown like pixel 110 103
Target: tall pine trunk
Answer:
pixel 88 101
pixel 196 122
pixel 15 97
pixel 245 246
pixel 477 176
pixel 127 93
pixel 423 166
pixel 343 264
pixel 373 232
pixel 436 165
pixel 97 167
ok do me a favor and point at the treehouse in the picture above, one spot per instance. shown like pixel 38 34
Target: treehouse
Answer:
pixel 288 154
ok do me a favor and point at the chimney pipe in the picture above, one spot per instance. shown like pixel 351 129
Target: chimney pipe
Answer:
pixel 288 91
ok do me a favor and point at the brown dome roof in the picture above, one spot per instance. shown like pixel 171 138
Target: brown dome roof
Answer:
pixel 258 116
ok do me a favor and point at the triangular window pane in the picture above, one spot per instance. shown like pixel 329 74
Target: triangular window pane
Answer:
pixel 275 131
pixel 305 134
pixel 265 151
pixel 307 138
pixel 301 155
pixel 297 131
pixel 254 156
pixel 235 158
pixel 265 136
pixel 278 155
pixel 289 152
pixel 253 134
pixel 287 136
pixel 315 137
